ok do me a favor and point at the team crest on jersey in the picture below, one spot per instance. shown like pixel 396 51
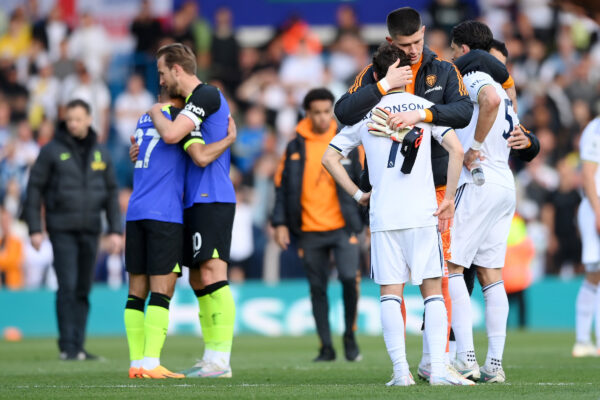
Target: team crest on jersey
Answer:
pixel 430 80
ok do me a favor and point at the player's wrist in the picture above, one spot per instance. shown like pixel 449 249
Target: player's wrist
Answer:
pixel 358 195
pixel 385 85
pixel 422 115
pixel 476 146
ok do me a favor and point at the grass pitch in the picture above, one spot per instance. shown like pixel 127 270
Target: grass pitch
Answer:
pixel 537 365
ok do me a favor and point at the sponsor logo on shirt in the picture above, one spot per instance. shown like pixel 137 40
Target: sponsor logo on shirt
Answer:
pixel 433 90
pixel 199 111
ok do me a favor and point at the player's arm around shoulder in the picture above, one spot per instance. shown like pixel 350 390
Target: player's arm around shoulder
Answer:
pixel 171 132
pixel 366 92
pixel 456 108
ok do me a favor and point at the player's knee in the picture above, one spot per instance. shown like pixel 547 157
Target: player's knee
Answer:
pixel 395 290
pixel 431 287
pixel 214 270
pixel 454 269
pixel 487 276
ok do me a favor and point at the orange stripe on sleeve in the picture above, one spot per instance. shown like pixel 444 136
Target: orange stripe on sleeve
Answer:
pixel 508 83
pixel 279 172
pixel 461 85
pixel 359 79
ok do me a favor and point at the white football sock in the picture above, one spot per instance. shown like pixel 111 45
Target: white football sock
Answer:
pixel 496 315
pixel 584 312
pixel 436 326
pixel 392 325
pixel 452 350
pixel 135 364
pixel 462 320
pixel 149 363
pixel 425 360
pixel 597 312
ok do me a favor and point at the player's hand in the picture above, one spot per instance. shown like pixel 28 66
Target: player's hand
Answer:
pixel 156 108
pixel 36 240
pixel 134 150
pixel 364 199
pixel 282 236
pixel 470 156
pixel 114 243
pixel 445 213
pixel 517 139
pixel 379 127
pixel 231 130
pixel 598 223
pixel 398 77
pixel 403 120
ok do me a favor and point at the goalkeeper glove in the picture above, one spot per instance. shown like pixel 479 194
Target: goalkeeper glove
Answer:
pixel 379 127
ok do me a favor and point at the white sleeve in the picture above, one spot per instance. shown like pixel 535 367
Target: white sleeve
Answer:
pixel 475 82
pixel 347 140
pixel 438 132
pixel 589 145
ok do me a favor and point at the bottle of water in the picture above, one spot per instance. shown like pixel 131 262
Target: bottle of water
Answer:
pixel 477 173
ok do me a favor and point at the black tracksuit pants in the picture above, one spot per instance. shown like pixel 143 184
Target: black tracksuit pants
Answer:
pixel 74 260
pixel 317 248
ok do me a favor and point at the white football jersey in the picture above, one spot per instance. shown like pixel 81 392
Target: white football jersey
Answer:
pixel 495 149
pixel 589 146
pixel 398 200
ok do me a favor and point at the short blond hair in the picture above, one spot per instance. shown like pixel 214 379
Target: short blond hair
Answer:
pixel 180 54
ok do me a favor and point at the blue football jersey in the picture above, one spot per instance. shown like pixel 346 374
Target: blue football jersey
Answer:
pixel 207 108
pixel 159 176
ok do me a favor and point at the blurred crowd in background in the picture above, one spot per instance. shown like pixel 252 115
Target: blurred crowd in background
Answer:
pixel 554 58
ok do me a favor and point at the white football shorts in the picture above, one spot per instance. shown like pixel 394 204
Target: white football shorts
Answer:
pixel 482 221
pixel 590 239
pixel 404 255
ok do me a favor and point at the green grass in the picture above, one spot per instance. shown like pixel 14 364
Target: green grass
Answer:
pixel 538 365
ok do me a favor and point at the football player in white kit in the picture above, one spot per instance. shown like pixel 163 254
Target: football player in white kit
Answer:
pixel 588 298
pixel 405 242
pixel 483 215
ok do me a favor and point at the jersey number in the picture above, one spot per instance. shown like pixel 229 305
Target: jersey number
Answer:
pixel 139 137
pixel 509 119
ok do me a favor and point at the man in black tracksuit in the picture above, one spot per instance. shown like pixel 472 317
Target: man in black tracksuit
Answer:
pixel 74 178
pixel 310 205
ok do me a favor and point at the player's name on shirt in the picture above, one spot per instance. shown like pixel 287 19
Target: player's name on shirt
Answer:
pixel 396 108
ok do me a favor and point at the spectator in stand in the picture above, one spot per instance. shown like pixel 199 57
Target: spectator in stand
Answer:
pixel 249 144
pixel 5 134
pixel 90 44
pixel 303 69
pixel 16 41
pixel 52 31
pixel 64 65
pixel 94 92
pixel 44 91
pixel 347 21
pixel 147 33
pixel 11 254
pixel 225 51
pixel 26 149
pixel 130 106
pixel 15 93
pixel 560 216
pixel 445 14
